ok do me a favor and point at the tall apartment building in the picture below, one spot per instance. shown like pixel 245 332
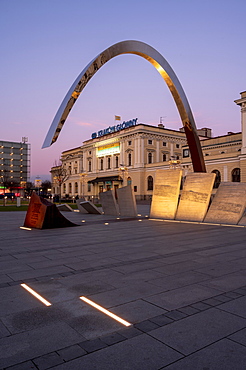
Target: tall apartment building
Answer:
pixel 14 165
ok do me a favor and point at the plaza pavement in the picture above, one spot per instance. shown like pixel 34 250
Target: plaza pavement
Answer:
pixel 182 286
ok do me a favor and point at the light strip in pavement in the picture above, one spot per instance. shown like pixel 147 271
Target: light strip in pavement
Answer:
pixel 115 317
pixel 30 290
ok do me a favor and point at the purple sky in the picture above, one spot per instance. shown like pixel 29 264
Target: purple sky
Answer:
pixel 46 44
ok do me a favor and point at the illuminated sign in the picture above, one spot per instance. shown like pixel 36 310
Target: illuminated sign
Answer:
pixel 108 149
pixel 110 129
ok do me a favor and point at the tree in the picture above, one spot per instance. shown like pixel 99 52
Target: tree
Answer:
pixel 60 174
pixel 46 184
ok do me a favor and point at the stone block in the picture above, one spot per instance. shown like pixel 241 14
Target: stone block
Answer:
pixel 195 196
pixel 228 204
pixel 127 202
pixel 80 208
pixel 89 207
pixel 64 208
pixel 165 194
pixel 42 214
pixel 109 204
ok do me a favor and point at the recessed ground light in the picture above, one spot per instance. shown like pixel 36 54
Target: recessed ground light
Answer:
pixel 100 308
pixel 25 228
pixel 35 294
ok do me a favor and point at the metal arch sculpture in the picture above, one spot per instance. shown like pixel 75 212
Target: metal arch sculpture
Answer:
pixel 165 70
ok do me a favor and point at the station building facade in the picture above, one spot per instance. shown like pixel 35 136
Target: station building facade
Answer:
pixel 131 156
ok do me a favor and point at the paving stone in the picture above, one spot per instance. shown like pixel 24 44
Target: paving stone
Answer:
pixel 28 365
pixel 188 310
pixel 137 311
pixel 210 323
pixel 47 361
pixel 4 332
pixel 212 301
pixel 112 339
pixel 139 353
pixel 237 306
pixel 239 337
pixel 92 345
pixel 232 295
pixel 222 298
pixel 175 315
pixel 69 353
pixel 25 346
pixel 221 355
pixel 161 320
pixel 146 326
pixel 180 297
pixel 200 306
pixel 130 332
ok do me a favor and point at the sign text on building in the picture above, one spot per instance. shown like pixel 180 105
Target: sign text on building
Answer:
pixel 110 129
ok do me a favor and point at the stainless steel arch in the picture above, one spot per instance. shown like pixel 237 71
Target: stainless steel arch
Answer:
pixel 165 70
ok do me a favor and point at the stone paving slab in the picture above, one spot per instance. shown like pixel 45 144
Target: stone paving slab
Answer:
pixel 224 355
pixel 195 332
pixel 166 278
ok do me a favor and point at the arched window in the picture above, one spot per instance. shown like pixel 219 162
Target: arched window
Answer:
pixel 164 157
pixel 76 187
pixel 129 181
pixel 70 187
pixel 217 180
pixel 101 164
pixel 149 157
pixel 64 188
pixel 150 183
pixel 89 166
pixel 108 163
pixel 235 175
pixel 116 161
pixel 129 159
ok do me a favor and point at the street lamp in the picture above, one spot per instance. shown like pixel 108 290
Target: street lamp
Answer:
pixel 83 176
pixel 123 172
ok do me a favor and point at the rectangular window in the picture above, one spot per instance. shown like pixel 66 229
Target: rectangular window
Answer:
pixel 150 142
pixel 177 145
pixel 164 143
pixel 186 153
pixel 135 188
pixel 130 142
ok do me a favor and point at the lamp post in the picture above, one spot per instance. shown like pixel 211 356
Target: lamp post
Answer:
pixel 123 172
pixel 174 163
pixel 83 176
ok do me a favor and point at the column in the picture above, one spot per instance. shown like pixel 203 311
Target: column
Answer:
pixel 157 150
pixel 225 173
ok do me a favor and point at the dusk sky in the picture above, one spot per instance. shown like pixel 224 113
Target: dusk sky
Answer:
pixel 45 44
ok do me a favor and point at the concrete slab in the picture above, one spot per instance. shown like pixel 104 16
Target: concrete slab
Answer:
pixel 64 207
pixel 166 194
pixel 224 355
pixel 109 204
pixel 127 202
pixel 80 208
pixel 228 204
pixel 89 207
pixel 143 353
pixel 204 329
pixel 195 196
